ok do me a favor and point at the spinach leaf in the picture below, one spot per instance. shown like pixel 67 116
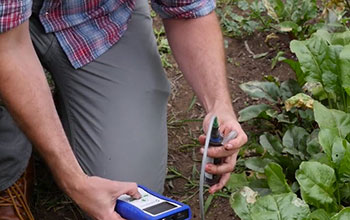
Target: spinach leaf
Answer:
pixel 276 179
pixel 317 185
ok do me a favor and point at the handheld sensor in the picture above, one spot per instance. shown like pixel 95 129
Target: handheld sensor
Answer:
pixel 151 206
pixel 216 140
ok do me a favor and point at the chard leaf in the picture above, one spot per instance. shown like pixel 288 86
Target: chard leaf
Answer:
pixel 344 165
pixel 342 215
pixel 300 100
pixel 266 90
pixel 310 54
pixel 331 77
pixel 257 164
pixel 270 8
pixel 284 206
pixel 319 61
pixel 242 201
pixel 332 119
pixel 289 88
pixel 276 179
pixel 338 150
pixel 316 182
pixel 327 137
pixel 344 68
pixel 272 144
pixel 236 182
pixel 295 140
pixel 340 38
pixel 251 112
pixel 319 214
pixel 259 185
pixel 345 192
pixel 297 69
pixel 313 145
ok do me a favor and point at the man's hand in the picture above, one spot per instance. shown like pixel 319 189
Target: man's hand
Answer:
pixel 98 196
pixel 25 92
pixel 198 47
pixel 227 122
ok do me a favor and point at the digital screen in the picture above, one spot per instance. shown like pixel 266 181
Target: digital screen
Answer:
pixel 159 208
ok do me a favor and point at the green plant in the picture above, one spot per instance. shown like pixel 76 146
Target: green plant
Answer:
pixel 322 182
pixel 242 18
pixel 163 47
pixel 294 16
pixel 324 60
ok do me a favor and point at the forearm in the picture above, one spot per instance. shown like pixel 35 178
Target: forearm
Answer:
pixel 197 45
pixel 26 94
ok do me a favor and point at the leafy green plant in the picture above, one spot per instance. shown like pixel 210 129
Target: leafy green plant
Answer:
pixel 324 60
pixel 322 176
pixel 272 113
pixel 242 18
pixel 163 47
pixel 294 16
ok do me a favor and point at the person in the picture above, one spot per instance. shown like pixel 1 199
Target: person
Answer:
pixel 109 131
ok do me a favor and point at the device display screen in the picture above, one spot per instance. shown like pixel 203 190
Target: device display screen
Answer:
pixel 159 208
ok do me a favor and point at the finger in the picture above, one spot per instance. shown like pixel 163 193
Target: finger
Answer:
pixel 219 152
pixel 237 142
pixel 226 167
pixel 201 139
pixel 223 180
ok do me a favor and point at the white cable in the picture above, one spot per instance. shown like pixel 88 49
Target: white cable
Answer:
pixel 230 136
pixel 204 162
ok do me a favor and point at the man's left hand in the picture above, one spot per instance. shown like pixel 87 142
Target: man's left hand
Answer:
pixel 227 123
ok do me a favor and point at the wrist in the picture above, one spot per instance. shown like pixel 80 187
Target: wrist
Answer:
pixel 221 107
pixel 71 184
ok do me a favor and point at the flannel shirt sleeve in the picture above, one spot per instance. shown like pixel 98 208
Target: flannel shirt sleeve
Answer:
pixel 183 8
pixel 14 13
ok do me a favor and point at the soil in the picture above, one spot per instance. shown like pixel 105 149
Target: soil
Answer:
pixel 51 204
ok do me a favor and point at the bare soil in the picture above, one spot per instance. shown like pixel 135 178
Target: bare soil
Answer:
pixel 49 203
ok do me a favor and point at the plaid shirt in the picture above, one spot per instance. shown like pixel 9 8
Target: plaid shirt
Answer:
pixel 87 28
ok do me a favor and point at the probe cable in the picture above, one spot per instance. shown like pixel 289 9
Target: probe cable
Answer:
pixel 204 162
pixel 230 136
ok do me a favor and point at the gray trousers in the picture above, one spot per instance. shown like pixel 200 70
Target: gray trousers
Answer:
pixel 113 109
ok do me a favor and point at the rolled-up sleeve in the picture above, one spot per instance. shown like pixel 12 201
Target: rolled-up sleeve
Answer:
pixel 14 13
pixel 183 8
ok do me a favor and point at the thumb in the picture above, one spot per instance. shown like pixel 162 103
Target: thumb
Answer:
pixel 130 189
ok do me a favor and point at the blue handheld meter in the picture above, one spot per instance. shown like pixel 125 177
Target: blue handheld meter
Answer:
pixel 151 206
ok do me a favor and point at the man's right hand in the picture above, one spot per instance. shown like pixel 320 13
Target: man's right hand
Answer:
pixel 26 94
pixel 98 196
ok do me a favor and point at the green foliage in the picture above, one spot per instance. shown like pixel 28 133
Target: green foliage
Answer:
pixel 293 16
pixel 241 18
pixel 276 179
pixel 285 206
pixel 317 185
pixel 324 60
pixel 244 17
pixel 163 47
pixel 342 215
